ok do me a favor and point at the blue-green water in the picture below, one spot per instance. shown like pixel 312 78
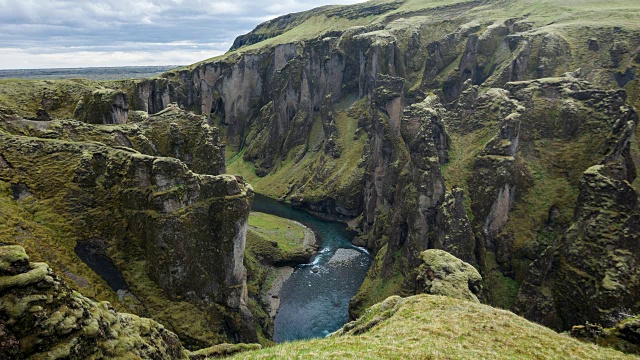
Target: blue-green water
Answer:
pixel 315 300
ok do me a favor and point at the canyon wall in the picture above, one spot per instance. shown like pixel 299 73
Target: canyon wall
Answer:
pixel 449 127
pixel 131 191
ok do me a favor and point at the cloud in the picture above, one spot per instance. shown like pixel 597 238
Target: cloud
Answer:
pixel 78 33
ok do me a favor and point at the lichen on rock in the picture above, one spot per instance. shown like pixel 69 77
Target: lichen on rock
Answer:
pixel 443 274
pixel 42 318
pixel 103 106
pixel 143 206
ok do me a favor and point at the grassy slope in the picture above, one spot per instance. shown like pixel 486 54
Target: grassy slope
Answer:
pixel 288 234
pixel 435 327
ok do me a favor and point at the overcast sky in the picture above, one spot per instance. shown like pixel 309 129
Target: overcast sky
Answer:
pixel 81 33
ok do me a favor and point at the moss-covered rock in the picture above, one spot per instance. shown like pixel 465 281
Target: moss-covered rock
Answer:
pixel 596 276
pixel 103 106
pixel 161 222
pixel 443 274
pixel 172 132
pixel 625 336
pixel 42 318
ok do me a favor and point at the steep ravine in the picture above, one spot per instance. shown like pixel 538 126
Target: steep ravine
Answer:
pixel 466 127
pixel 503 132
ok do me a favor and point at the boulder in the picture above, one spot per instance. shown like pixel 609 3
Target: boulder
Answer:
pixel 42 317
pixel 443 274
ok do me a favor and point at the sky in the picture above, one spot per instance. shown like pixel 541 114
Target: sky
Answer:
pixel 85 33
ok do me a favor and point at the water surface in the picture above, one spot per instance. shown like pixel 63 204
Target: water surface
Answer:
pixel 315 299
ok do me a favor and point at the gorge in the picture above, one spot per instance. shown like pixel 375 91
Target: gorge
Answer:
pixel 500 132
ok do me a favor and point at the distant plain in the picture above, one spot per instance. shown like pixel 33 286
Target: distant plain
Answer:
pixel 91 73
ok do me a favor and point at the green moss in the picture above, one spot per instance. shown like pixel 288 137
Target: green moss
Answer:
pixel 464 150
pixel 377 287
pixel 57 97
pixel 339 177
pixel 502 290
pixel 287 234
pixel 72 191
pixel 10 255
pixel 46 233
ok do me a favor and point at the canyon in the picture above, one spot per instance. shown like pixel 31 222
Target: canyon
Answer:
pixel 502 133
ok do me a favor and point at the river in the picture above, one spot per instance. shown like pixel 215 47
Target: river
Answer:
pixel 314 301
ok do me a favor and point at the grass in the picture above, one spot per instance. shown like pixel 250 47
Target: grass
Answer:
pixel 339 176
pixel 435 327
pixel 44 234
pixel 503 289
pixel 375 287
pixel 287 234
pixel 464 149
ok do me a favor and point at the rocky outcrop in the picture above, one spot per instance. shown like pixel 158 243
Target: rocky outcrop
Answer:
pixel 443 274
pixel 595 277
pixel 170 133
pixel 420 190
pixel 575 279
pixel 103 106
pixel 185 136
pixel 42 317
pixel 625 336
pixel 591 276
pixel 455 234
pixel 189 230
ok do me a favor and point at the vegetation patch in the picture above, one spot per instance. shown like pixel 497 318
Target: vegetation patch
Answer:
pixel 433 327
pixel 315 175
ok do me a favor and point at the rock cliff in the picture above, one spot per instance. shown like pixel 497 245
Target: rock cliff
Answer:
pixel 174 234
pixel 43 318
pixel 460 126
pixel 503 132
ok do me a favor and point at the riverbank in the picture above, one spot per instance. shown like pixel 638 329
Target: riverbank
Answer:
pixel 314 300
pixel 278 244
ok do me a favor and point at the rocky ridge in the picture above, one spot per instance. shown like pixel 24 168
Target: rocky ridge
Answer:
pixel 174 234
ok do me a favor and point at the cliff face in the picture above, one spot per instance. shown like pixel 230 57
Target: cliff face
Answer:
pixel 173 234
pixel 103 106
pixel 43 318
pixel 436 126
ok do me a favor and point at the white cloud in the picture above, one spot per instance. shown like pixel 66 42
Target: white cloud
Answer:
pixel 101 58
pixel 77 33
